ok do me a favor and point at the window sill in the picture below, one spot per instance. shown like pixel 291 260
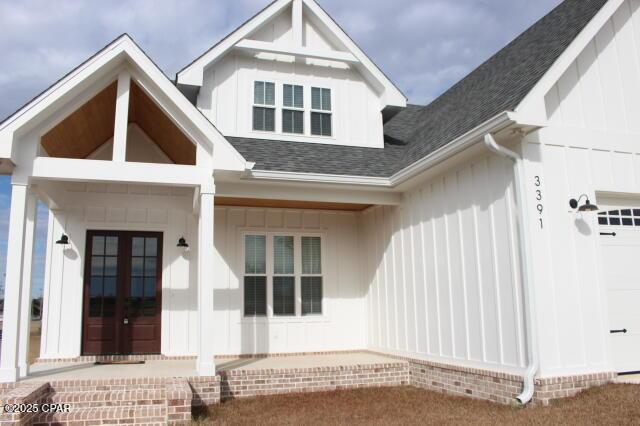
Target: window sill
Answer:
pixel 284 319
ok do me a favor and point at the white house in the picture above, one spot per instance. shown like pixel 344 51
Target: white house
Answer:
pixel 322 213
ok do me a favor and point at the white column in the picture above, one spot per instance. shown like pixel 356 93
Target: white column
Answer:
pixel 205 363
pixel 122 117
pixel 13 284
pixel 25 297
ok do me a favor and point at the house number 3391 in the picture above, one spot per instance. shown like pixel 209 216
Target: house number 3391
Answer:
pixel 539 206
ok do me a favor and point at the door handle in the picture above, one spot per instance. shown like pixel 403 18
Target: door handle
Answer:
pixel 125 321
pixel 613 234
pixel 624 330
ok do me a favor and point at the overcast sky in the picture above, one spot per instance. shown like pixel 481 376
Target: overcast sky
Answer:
pixel 424 46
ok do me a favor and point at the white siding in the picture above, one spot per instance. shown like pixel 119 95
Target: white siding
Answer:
pixel 442 270
pixel 226 96
pixel 342 325
pixel 119 207
pixel 591 146
pixel 601 89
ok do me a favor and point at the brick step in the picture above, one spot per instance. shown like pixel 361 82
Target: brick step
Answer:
pixel 106 387
pixel 105 415
pixel 135 397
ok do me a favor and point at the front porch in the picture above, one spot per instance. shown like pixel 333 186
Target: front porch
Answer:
pixel 164 390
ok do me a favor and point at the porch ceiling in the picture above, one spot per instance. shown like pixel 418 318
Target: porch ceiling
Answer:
pixel 92 125
pixel 289 204
pixel 169 138
pixel 85 129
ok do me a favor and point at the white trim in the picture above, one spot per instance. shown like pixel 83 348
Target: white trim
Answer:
pixel 193 74
pixel 269 273
pixel 108 61
pixel 256 46
pixel 65 169
pixel 320 178
pixel 121 125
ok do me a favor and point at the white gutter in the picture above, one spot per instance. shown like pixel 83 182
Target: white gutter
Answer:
pixel 456 146
pixel 529 297
pixel 319 178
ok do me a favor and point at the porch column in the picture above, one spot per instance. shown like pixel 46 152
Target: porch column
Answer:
pixel 13 284
pixel 205 363
pixel 25 297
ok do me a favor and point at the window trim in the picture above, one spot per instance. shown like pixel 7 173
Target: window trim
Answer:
pixel 273 107
pixel 297 259
pixel 328 112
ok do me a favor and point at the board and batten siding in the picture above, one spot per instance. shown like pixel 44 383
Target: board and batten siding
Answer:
pixel 590 146
pixel 342 324
pixel 442 270
pixel 119 207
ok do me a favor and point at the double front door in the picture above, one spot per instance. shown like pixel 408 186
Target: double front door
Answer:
pixel 122 293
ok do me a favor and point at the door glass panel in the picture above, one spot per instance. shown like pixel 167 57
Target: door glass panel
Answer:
pixel 149 266
pixel 144 267
pixel 103 276
pixel 111 246
pixel 136 287
pixel 137 246
pixel 97 265
pixel 110 266
pixel 136 266
pixel 97 246
pixel 150 287
pixel 151 247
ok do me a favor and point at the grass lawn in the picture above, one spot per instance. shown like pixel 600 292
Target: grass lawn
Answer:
pixel 612 404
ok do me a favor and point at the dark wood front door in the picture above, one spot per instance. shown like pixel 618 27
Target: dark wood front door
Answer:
pixel 122 293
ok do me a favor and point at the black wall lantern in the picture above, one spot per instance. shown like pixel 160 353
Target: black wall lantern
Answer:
pixel 64 240
pixel 586 207
pixel 182 243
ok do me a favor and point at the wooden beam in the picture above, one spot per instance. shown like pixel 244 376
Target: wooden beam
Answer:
pixel 255 46
pixel 288 204
pixel 121 117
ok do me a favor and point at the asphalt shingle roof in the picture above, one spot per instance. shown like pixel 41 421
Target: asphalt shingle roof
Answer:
pixel 498 85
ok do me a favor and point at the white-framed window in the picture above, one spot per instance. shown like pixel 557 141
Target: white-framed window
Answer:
pixel 311 277
pixel 282 274
pixel 321 111
pixel 292 109
pixel 255 275
pixel 264 102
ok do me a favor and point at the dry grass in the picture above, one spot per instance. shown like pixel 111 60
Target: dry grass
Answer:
pixel 611 404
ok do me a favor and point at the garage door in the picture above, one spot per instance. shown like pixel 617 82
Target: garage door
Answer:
pixel 619 222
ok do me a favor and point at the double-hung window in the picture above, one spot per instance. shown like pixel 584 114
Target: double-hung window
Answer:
pixel 320 111
pixel 282 274
pixel 264 102
pixel 311 278
pixel 292 109
pixel 284 279
pixel 255 275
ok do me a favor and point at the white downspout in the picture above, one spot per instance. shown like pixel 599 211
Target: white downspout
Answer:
pixel 529 297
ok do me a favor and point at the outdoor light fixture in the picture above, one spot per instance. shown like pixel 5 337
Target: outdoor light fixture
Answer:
pixel 182 243
pixel 64 240
pixel 586 207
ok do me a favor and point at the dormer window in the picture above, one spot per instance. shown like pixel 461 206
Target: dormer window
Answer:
pixel 320 111
pixel 292 109
pixel 264 102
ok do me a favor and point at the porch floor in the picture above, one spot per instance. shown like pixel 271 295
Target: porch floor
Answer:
pixel 43 371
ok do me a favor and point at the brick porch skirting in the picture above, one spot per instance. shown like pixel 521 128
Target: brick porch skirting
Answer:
pixel 245 383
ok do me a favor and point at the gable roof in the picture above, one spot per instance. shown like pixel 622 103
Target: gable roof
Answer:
pixel 100 66
pixel 192 74
pixel 498 85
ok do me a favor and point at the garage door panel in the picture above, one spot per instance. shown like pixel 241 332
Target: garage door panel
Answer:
pixel 621 272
